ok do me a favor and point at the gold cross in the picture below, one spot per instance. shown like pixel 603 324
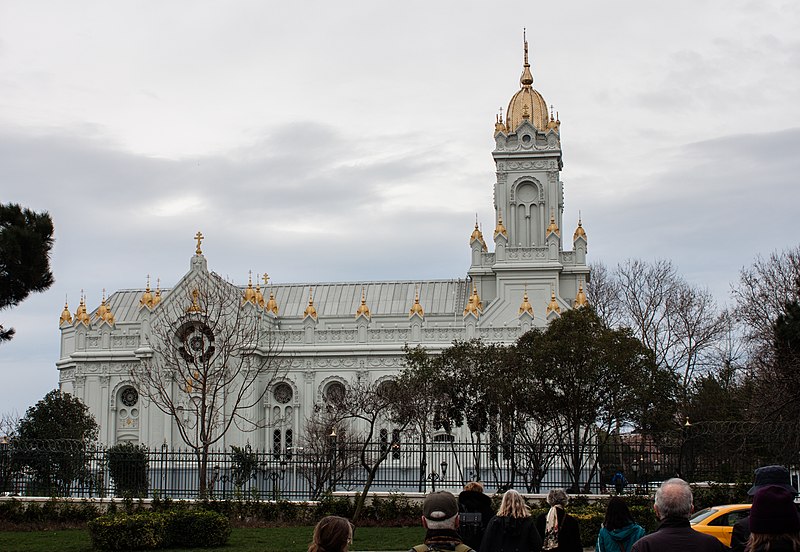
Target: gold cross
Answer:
pixel 199 237
pixel 266 278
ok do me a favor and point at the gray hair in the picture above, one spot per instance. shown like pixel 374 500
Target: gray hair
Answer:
pixel 449 523
pixel 674 499
pixel 557 497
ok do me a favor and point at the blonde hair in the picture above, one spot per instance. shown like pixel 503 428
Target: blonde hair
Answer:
pixel 513 505
pixel 474 486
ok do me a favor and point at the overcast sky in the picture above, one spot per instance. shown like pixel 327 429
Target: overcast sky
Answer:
pixel 350 141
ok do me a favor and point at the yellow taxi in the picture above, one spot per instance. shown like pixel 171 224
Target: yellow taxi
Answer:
pixel 718 521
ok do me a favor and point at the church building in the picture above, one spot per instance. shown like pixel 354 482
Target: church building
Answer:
pixel 333 333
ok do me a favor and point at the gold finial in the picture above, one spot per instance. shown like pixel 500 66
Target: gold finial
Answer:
pixel 579 231
pixel 157 298
pixel 259 295
pixel 526 306
pixel 580 298
pixel 66 317
pixel 526 80
pixel 474 305
pixel 249 293
pixel 553 227
pixel 199 237
pixel 553 306
pixel 272 305
pixel 552 124
pixel 416 308
pixel 81 316
pixel 147 297
pixel 104 313
pixel 195 306
pixel 310 310
pixel 500 228
pixel 363 309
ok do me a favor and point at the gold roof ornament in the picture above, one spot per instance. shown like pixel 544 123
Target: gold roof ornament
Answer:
pixel 478 235
pixel 553 306
pixel 579 231
pixel 500 228
pixel 526 306
pixel 195 306
pixel 147 296
pixel 199 237
pixel 474 304
pixel 81 316
pixel 580 298
pixel 272 304
pixel 553 227
pixel 259 296
pixel 499 126
pixel 416 308
pixel 249 292
pixel 66 317
pixel 310 310
pixel 553 123
pixel 104 313
pixel 157 298
pixel 527 103
pixel 363 309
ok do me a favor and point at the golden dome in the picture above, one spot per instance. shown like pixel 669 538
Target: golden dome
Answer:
pixel 553 306
pixel 81 316
pixel 272 305
pixel 580 298
pixel 157 298
pixel 500 229
pixel 526 306
pixel 147 297
pixel 249 293
pixel 553 227
pixel 579 231
pixel 416 308
pixel 259 297
pixel 527 104
pixel 310 310
pixel 66 317
pixel 363 309
pixel 474 304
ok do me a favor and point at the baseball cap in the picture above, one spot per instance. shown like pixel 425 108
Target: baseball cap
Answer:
pixel 439 506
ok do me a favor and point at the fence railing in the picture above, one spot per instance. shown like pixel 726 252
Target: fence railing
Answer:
pixel 66 468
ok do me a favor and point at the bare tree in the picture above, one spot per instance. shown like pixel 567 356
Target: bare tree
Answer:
pixel 328 451
pixel 366 405
pixel 212 359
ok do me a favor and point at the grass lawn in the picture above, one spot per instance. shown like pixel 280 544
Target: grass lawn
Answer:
pixel 268 539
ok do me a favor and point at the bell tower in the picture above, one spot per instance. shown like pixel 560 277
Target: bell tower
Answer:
pixel 529 260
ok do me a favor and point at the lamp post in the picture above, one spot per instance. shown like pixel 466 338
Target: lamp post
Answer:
pixel 434 476
pixel 333 441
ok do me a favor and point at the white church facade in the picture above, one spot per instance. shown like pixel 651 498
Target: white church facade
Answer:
pixel 332 333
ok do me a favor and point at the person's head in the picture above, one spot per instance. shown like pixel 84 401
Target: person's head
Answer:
pixel 674 499
pixel 513 505
pixel 440 511
pixel 617 514
pixel 476 486
pixel 774 512
pixel 558 497
pixel 771 475
pixel 332 534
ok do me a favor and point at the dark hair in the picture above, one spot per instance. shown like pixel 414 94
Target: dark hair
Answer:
pixel 332 534
pixel 617 514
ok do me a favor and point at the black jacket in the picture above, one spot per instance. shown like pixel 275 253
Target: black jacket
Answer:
pixel 569 535
pixel 676 534
pixel 477 503
pixel 508 534
pixel 741 534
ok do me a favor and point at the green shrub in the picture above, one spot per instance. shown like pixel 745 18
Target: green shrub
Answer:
pixel 148 530
pixel 142 531
pixel 128 464
pixel 196 529
pixel 718 494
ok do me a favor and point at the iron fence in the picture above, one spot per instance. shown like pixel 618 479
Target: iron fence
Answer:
pixel 65 468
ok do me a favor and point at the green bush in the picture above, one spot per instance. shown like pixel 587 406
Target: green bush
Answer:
pixel 142 531
pixel 147 530
pixel 196 528
pixel 128 464
pixel 718 494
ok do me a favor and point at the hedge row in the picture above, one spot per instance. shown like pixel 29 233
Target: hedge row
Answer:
pixel 148 530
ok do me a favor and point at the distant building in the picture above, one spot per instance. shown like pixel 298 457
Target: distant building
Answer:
pixel 335 332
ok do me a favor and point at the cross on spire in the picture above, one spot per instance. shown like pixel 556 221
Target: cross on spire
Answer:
pixel 199 237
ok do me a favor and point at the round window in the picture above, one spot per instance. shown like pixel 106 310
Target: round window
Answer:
pixel 282 393
pixel 129 396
